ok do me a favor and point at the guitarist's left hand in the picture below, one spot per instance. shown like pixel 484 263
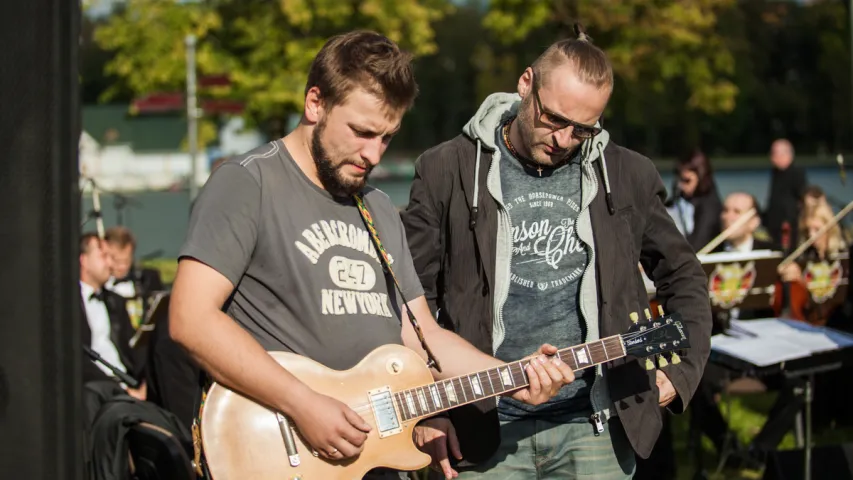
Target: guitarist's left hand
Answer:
pixel 546 376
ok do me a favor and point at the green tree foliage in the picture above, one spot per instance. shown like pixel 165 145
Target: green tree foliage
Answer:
pixel 651 44
pixel 264 46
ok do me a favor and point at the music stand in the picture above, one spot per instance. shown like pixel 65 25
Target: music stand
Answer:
pixel 158 309
pixel 795 349
pixel 744 280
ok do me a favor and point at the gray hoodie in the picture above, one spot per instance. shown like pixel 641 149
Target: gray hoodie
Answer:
pixel 496 109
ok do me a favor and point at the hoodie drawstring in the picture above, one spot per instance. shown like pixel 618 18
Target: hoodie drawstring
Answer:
pixel 603 166
pixel 472 222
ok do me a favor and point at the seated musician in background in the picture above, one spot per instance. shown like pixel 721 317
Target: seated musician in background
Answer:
pixel 827 245
pixel 742 240
pixel 277 244
pixel 705 413
pixel 131 282
pixel 106 329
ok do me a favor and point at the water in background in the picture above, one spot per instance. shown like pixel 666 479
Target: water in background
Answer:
pixel 159 219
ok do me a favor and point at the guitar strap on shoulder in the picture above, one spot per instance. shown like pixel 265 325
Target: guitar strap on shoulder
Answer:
pixel 386 265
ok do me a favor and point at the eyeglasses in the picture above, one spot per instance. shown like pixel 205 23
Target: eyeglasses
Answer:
pixel 556 122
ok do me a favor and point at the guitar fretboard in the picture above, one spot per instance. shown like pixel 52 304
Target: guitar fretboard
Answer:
pixel 453 392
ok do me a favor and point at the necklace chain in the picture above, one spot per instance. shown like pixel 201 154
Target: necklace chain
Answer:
pixel 513 151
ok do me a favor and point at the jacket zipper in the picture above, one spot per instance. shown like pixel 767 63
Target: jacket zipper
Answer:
pixel 502 215
pixel 599 427
pixel 596 419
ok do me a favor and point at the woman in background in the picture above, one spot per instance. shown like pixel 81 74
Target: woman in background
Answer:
pixel 695 205
pixel 813 218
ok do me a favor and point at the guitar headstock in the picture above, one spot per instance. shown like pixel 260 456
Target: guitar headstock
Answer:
pixel 663 335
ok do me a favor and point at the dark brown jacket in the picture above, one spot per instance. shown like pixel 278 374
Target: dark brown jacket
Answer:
pixel 454 249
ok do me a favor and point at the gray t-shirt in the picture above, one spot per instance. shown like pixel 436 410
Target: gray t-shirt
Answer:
pixel 306 274
pixel 548 261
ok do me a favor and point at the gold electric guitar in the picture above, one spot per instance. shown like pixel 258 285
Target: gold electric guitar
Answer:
pixel 392 389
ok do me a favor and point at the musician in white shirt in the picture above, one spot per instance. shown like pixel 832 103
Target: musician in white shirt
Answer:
pixel 743 239
pixel 107 328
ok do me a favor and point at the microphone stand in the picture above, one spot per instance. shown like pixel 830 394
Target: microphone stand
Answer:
pixel 125 378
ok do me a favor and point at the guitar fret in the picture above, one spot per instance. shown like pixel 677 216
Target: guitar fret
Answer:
pixel 476 388
pixel 421 400
pixel 606 356
pixel 436 399
pixel 400 406
pixel 484 383
pixel 450 391
pixel 581 356
pixel 462 387
pixel 428 400
pixel 523 373
pixel 589 353
pixel 411 403
pixel 506 377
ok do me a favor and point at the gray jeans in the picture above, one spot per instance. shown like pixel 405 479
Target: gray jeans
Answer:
pixel 543 449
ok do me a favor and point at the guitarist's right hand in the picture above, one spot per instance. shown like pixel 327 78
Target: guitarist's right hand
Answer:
pixel 333 429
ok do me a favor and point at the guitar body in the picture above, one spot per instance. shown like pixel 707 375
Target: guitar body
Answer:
pixel 242 439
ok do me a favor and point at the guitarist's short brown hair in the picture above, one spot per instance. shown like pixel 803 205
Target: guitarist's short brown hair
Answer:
pixel 363 59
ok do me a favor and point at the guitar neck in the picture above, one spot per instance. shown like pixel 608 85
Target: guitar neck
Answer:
pixel 444 395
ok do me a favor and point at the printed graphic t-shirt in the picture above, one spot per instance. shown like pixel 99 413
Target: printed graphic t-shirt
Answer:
pixel 548 261
pixel 307 277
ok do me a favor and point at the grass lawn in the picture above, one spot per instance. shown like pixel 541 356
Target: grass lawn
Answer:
pixel 747 415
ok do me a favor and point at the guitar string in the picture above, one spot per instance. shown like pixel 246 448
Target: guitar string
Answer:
pixel 603 345
pixel 492 375
pixel 440 386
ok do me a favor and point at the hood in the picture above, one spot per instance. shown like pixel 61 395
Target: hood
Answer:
pixel 495 109
pixel 498 108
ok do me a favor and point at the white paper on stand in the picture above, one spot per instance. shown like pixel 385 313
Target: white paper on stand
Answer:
pixel 771 341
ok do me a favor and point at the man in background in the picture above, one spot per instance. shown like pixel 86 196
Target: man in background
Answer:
pixel 787 185
pixel 107 329
pixel 134 284
pixel 742 240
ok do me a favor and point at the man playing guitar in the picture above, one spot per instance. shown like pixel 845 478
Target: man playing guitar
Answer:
pixel 279 257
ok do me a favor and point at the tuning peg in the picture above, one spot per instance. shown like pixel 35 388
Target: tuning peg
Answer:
pixel 649 364
pixel 662 361
pixel 648 314
pixel 660 310
pixel 635 317
pixel 675 359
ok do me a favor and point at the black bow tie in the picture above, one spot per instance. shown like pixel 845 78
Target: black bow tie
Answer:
pixel 99 295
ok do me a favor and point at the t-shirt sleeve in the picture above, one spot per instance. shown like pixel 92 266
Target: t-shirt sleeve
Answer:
pixel 223 225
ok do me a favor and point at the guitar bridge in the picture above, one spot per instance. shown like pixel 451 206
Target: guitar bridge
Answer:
pixel 382 404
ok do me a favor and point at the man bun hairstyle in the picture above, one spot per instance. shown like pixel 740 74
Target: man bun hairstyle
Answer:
pixel 367 60
pixel 590 63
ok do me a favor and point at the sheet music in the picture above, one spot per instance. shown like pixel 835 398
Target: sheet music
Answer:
pixel 770 341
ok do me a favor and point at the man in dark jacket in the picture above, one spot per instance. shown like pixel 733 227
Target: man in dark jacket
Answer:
pixel 529 227
pixel 787 186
